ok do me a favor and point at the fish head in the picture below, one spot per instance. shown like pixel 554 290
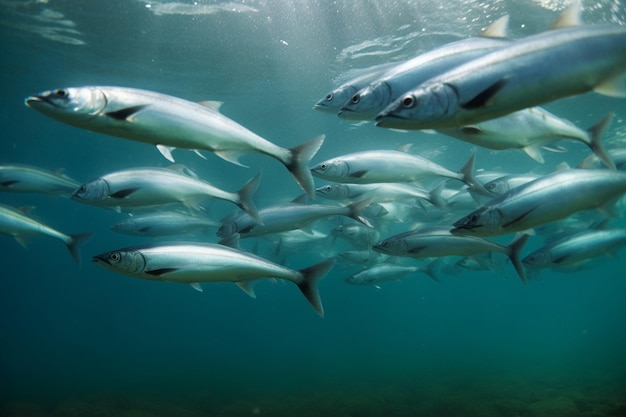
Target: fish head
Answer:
pixel 485 221
pixel 423 108
pixel 123 261
pixel 333 191
pixel 497 186
pixel 70 105
pixel 96 190
pixel 226 230
pixel 333 169
pixel 537 259
pixel 333 101
pixel 366 103
pixel 126 226
pixel 361 279
pixel 391 246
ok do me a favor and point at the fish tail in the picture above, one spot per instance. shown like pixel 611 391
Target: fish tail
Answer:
pixel 73 245
pixel 513 252
pixel 435 197
pixel 432 269
pixel 245 198
pixel 468 177
pixel 355 210
pixel 298 165
pixel 595 132
pixel 308 284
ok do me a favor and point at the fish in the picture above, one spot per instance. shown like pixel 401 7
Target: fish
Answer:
pixel 530 130
pixel 285 217
pixel 371 100
pixel 194 263
pixel 546 199
pixel 30 179
pixel 169 123
pixel 529 72
pixel 380 192
pixel 506 183
pixel 389 272
pixel 136 187
pixel 18 224
pixel 438 241
pixel 576 249
pixel 163 224
pixel 390 166
pixel 335 99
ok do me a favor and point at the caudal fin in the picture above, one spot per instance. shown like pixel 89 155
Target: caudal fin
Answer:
pixel 245 198
pixel 595 132
pixel 513 252
pixel 468 177
pixel 301 156
pixel 73 245
pixel 308 284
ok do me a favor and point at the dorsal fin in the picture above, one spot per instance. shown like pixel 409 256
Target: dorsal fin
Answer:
pixel 213 105
pixel 572 16
pixel 497 29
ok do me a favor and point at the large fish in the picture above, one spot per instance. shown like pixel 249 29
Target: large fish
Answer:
pixel 371 100
pixel 576 249
pixel 169 122
pixel 21 226
pixel 438 241
pixel 531 71
pixel 544 200
pixel 194 263
pixel 390 166
pixel 530 130
pixel 138 187
pixel 29 179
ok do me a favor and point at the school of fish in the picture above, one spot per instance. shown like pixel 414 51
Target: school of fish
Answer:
pixel 385 213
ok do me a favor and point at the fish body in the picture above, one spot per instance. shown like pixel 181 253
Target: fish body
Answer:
pixel 526 73
pixel 382 273
pixel 576 249
pixel 21 226
pixel 544 200
pixel 162 224
pixel 137 187
pixel 195 263
pixel 438 241
pixel 378 192
pixel 168 122
pixel 389 166
pixel 30 179
pixel 530 129
pixel 371 100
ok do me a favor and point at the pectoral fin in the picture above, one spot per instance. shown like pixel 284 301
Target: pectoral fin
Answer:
pixel 358 174
pixel 161 271
pixel 124 193
pixel 125 113
pixel 484 97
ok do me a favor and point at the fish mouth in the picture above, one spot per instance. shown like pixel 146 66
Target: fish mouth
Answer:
pixel 33 100
pixel 100 261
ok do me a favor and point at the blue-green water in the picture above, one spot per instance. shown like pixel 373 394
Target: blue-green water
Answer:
pixel 88 342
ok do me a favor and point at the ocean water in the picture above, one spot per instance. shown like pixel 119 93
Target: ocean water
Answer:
pixel 84 341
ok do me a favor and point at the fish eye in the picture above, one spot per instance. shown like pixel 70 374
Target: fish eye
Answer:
pixel 408 101
pixel 386 244
pixel 328 188
pixel 61 93
pixel 329 96
pixel 115 257
pixel 82 188
pixel 355 99
pixel 323 166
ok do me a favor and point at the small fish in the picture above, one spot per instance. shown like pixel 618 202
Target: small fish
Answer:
pixel 169 123
pixel 29 179
pixel 380 192
pixel 137 187
pixel 390 166
pixel 389 272
pixel 162 224
pixel 438 241
pixel 193 263
pixel 21 226
pixel 528 72
pixel 544 200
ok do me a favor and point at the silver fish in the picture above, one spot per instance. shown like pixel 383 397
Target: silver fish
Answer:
pixel 169 122
pixel 544 200
pixel 576 249
pixel 380 192
pixel 389 272
pixel 162 224
pixel 21 226
pixel 526 73
pixel 371 100
pixel 154 186
pixel 438 241
pixel 390 166
pixel 194 263
pixel 29 179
